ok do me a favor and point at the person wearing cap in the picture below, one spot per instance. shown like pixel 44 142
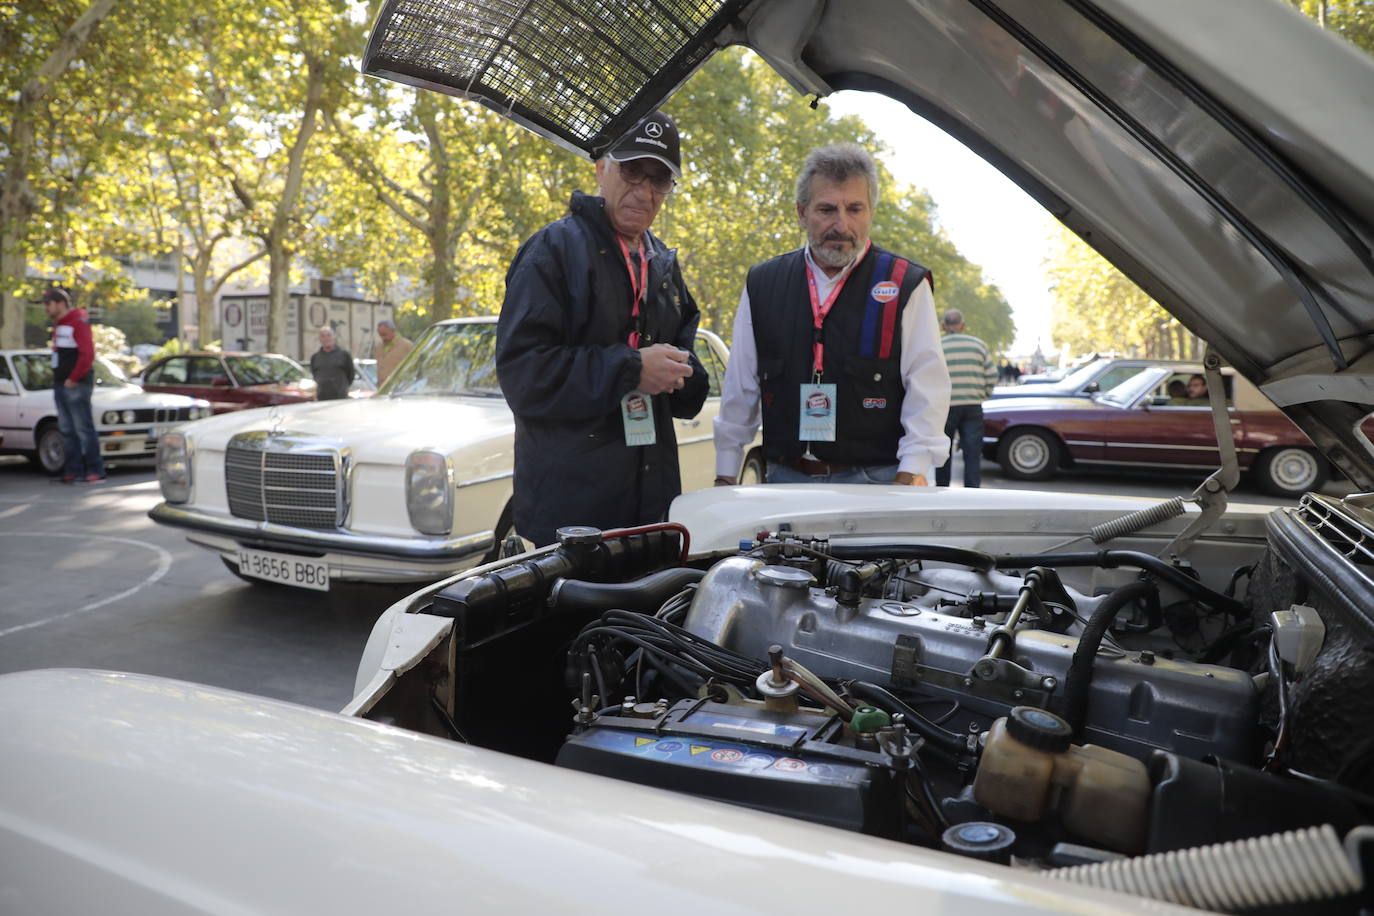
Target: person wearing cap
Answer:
pixel 594 350
pixel 389 349
pixel 836 348
pixel 73 380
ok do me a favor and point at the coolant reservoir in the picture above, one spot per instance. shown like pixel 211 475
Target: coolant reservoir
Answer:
pixel 1030 768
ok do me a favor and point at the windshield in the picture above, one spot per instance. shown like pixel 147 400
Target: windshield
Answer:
pixel 35 372
pixel 264 370
pixel 449 359
pixel 1129 391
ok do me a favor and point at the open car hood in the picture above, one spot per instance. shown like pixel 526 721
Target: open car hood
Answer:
pixel 1217 153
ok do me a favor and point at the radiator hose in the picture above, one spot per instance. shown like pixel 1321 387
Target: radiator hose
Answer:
pixel 1080 674
pixel 644 595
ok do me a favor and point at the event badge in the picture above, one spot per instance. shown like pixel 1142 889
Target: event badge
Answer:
pixel 817 413
pixel 637 411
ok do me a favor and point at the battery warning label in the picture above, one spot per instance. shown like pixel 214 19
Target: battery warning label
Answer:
pixel 698 749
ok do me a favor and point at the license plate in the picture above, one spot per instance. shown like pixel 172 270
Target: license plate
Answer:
pixel 301 572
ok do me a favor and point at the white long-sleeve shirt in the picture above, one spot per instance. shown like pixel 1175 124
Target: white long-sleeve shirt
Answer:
pixel 922 447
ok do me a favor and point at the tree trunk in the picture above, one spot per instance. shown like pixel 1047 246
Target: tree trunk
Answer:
pixel 205 298
pixel 276 238
pixel 17 202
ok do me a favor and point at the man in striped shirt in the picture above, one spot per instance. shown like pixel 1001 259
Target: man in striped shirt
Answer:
pixel 972 374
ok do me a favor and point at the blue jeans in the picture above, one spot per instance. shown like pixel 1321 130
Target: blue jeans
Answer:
pixel 967 421
pixel 79 438
pixel 873 473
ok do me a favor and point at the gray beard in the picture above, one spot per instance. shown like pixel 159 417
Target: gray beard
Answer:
pixel 827 257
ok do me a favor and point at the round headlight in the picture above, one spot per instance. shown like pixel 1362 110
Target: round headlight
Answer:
pixel 110 417
pixel 127 416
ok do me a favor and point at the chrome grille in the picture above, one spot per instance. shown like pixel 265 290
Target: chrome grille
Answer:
pixel 294 488
pixel 1341 527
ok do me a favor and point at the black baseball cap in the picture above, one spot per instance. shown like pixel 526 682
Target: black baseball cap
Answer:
pixel 655 137
pixel 56 295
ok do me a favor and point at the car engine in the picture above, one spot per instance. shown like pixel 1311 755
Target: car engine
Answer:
pixel 1102 715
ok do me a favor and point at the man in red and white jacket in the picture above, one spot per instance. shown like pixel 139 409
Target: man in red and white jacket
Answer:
pixel 73 379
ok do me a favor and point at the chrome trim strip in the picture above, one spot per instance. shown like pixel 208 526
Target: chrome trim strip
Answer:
pixel 502 475
pixel 270 534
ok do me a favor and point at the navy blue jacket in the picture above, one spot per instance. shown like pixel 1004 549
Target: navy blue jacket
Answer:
pixel 564 361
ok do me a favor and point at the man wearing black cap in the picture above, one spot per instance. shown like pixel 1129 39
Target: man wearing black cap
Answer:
pixel 73 354
pixel 594 350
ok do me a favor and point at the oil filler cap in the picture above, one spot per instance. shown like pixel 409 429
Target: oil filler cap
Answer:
pixel 1039 729
pixel 980 840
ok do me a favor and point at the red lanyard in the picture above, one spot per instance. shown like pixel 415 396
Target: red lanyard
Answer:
pixel 637 285
pixel 819 310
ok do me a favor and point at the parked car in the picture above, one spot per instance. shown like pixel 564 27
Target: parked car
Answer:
pixel 232 381
pixel 1084 381
pixel 1139 424
pixel 1175 715
pixel 409 485
pixel 127 419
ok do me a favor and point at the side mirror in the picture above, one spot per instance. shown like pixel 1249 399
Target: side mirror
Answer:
pixel 1161 400
pixel 1093 388
pixel 8 386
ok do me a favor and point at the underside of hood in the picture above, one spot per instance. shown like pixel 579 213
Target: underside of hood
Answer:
pixel 1217 153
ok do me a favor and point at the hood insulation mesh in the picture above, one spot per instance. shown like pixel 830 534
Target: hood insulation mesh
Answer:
pixel 580 73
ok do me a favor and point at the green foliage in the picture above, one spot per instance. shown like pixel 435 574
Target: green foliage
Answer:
pixel 137 319
pixel 183 127
pixel 1097 309
pixel 1353 20
pixel 108 340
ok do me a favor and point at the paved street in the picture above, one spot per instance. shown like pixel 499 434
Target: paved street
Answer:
pixel 86 580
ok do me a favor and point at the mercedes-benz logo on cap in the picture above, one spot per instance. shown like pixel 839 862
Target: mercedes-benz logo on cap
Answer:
pixel 654 129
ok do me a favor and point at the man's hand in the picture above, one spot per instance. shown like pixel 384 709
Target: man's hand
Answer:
pixel 664 368
pixel 726 481
pixel 69 384
pixel 908 479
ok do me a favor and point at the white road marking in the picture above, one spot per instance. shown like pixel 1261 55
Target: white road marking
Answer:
pixel 164 564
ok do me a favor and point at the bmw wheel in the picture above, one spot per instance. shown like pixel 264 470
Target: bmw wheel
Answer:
pixel 1290 471
pixel 49 452
pixel 1028 454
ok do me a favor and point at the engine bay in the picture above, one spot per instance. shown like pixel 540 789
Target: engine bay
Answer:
pixel 1107 716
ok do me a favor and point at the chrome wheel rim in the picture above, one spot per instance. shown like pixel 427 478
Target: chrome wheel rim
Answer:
pixel 51 453
pixel 1294 469
pixel 1029 454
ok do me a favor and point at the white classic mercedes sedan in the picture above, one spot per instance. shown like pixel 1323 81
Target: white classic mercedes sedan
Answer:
pixel 410 485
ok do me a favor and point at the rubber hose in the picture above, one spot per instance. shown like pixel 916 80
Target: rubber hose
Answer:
pixel 644 595
pixel 1112 559
pixel 975 558
pixel 1080 675
pixel 1281 869
pixel 941 738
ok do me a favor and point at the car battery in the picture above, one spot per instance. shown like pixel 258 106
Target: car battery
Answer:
pixel 785 763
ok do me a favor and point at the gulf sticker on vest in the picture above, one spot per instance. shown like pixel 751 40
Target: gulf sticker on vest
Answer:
pixel 880 312
pixel 817 409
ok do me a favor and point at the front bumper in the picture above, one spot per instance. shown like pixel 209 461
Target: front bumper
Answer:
pixel 351 557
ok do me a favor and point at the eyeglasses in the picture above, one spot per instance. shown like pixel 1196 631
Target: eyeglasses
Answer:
pixel 634 172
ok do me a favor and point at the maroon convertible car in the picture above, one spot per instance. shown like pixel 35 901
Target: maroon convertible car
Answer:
pixel 1148 421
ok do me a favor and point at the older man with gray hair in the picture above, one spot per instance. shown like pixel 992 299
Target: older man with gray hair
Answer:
pixel 836 349
pixel 389 349
pixel 332 367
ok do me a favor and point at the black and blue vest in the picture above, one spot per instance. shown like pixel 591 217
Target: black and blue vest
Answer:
pixel 862 336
